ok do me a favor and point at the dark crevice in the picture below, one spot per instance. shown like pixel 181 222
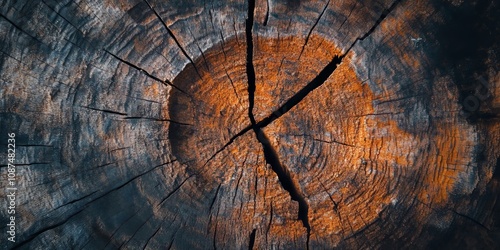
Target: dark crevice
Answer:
pixel 110 238
pixel 285 178
pixel 335 204
pixel 335 141
pixel 270 154
pixel 171 243
pixel 270 220
pixel 204 58
pixel 10 56
pixel 81 33
pixel 20 29
pixel 132 179
pixel 175 190
pixel 215 198
pixel 155 119
pixel 384 14
pixel 322 76
pixel 250 70
pixel 105 111
pixel 281 64
pixel 232 84
pixel 34 145
pixel 238 182
pixel 211 13
pixel 33 236
pixel 173 37
pixel 242 132
pixel 252 239
pixel 362 230
pixel 159 228
pixel 142 99
pixel 397 99
pixel 135 232
pixel 471 219
pixel 349 15
pixel 165 82
pixel 75 200
pixel 215 229
pixel 199 49
pixel 33 163
pixel 266 19
pixel 223 45
pixel 312 28
pixel 151 237
pixel 301 94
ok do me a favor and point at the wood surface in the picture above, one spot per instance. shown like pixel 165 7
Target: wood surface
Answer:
pixel 256 124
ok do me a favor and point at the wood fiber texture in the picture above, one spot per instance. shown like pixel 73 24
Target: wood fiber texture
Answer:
pixel 252 124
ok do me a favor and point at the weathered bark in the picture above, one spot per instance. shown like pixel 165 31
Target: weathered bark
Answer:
pixel 252 124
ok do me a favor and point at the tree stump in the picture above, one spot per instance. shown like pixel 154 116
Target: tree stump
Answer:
pixel 253 124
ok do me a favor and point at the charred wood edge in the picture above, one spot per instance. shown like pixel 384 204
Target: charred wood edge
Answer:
pixel 270 153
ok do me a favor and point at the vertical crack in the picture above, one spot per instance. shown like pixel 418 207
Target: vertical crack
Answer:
pixel 266 19
pixel 252 239
pixel 270 154
pixel 215 198
pixel 285 179
pixel 249 60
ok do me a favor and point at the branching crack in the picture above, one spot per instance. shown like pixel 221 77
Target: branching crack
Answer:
pixel 270 154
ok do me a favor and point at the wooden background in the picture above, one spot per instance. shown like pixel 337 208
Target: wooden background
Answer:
pixel 252 124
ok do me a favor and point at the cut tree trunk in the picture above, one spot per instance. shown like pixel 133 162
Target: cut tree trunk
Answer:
pixel 254 124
